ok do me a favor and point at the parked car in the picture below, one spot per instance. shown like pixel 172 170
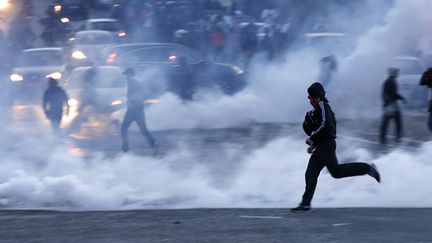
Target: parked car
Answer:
pixel 96 87
pixel 72 9
pixel 111 25
pixel 158 65
pixel 107 4
pixel 411 69
pixel 87 45
pixel 33 67
pixel 163 61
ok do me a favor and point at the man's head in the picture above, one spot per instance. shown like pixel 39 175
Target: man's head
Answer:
pixel 52 82
pixel 316 92
pixel 393 72
pixel 129 72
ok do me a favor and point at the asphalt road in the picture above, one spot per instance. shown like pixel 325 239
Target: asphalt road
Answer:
pixel 219 225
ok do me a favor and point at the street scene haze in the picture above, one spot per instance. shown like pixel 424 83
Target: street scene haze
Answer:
pixel 215 120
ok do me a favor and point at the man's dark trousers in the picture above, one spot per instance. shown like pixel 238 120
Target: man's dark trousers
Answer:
pixel 135 114
pixel 384 125
pixel 325 156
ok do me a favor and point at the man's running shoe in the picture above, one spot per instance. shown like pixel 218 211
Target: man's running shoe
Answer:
pixel 301 208
pixel 374 172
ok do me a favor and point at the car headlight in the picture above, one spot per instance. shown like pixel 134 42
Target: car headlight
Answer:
pixel 16 77
pixel 57 8
pixel 4 4
pixel 79 55
pixel 55 75
pixel 64 20
pixel 238 70
pixel 73 102
pixel 122 34
pixel 151 101
pixel 117 102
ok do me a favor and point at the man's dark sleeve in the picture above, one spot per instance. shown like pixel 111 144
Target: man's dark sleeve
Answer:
pixel 308 124
pixel 324 124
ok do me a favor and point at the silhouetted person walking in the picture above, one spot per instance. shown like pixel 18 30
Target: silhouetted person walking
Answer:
pixel 426 80
pixel 320 125
pixel 391 109
pixel 135 110
pixel 54 99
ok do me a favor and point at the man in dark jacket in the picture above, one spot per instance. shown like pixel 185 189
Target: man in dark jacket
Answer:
pixel 135 110
pixel 390 98
pixel 54 99
pixel 320 126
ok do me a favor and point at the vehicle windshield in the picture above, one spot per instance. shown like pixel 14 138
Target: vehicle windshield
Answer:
pixel 73 1
pixel 40 58
pixel 105 25
pixel 94 38
pixel 161 55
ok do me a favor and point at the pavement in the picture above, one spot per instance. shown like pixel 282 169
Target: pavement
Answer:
pixel 219 225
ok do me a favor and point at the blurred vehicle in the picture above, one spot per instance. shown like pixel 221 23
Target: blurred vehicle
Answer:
pixel 161 62
pixel 159 67
pixel 95 87
pixel 410 70
pixel 87 45
pixel 33 67
pixel 108 4
pixel 326 43
pixel 72 9
pixel 111 25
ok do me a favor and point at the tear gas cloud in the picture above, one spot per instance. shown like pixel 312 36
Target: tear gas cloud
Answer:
pixel 269 176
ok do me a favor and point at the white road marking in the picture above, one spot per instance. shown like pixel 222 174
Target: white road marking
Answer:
pixel 341 224
pixel 259 217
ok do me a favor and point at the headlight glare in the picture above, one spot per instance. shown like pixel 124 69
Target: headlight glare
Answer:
pixel 55 75
pixel 16 77
pixel 79 55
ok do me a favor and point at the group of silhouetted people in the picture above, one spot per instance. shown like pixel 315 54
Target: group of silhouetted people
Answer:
pixel 55 99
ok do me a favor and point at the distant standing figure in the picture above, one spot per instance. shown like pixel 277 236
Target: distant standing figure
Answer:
pixel 135 110
pixel 426 80
pixel 391 109
pixel 327 69
pixel 320 126
pixel 54 99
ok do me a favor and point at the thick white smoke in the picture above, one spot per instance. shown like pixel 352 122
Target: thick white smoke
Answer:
pixel 38 172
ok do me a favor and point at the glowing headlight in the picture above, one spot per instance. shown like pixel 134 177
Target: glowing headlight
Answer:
pixel 55 75
pixel 79 55
pixel 122 34
pixel 57 8
pixel 73 102
pixel 238 70
pixel 117 102
pixel 4 4
pixel 16 77
pixel 64 20
pixel 151 101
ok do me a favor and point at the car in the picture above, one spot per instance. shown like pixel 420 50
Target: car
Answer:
pixel 158 65
pixel 411 69
pixel 96 87
pixel 107 4
pixel 33 67
pixel 86 45
pixel 72 9
pixel 161 62
pixel 111 25
pixel 327 43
